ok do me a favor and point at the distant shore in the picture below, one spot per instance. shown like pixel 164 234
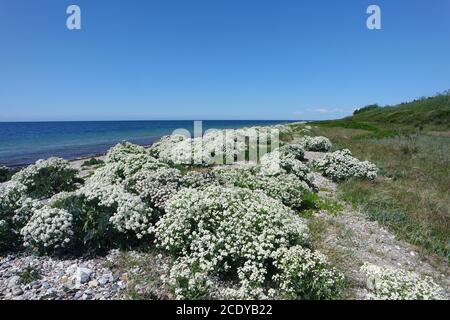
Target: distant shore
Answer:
pixel 23 144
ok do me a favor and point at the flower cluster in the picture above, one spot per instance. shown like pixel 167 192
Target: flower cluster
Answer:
pixel 155 187
pixel 395 284
pixel 278 162
pixel 222 229
pixel 322 144
pixel 295 150
pixel 126 212
pixel 164 144
pixel 47 177
pixel 15 210
pixel 341 165
pixel 214 147
pixel 48 228
pixel 123 150
pixel 284 187
pixel 198 179
pixel 304 274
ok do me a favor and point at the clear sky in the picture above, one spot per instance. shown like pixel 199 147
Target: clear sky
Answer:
pixel 217 59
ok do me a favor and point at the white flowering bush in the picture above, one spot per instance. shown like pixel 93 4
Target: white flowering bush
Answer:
pixel 214 147
pixel 15 210
pixel 226 230
pixel 304 274
pixel 123 150
pixel 164 144
pixel 341 165
pixel 48 229
pixel 287 188
pixel 47 177
pixel 322 144
pixel 277 162
pixel 198 179
pixel 294 150
pixel 386 283
pixel 118 172
pixel 155 187
pixel 105 215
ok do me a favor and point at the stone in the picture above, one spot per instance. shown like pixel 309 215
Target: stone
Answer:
pixel 82 275
pixel 93 283
pixel 104 279
pixel 13 281
pixel 16 291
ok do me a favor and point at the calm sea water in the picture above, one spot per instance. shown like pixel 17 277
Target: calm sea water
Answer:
pixel 22 143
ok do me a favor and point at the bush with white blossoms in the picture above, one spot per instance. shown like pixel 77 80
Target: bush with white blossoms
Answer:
pixel 48 229
pixel 155 187
pixel 105 214
pixel 164 144
pixel 123 150
pixel 387 283
pixel 341 165
pixel 295 150
pixel 15 210
pixel 304 274
pixel 214 147
pixel 321 144
pixel 226 230
pixel 278 162
pixel 284 187
pixel 118 172
pixel 47 177
pixel 198 179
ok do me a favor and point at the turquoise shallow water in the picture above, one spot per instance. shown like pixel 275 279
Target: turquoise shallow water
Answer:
pixel 22 143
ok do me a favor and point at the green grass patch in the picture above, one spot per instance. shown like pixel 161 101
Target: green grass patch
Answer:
pixel 93 162
pixel 28 275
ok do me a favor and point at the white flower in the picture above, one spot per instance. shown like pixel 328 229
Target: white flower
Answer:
pixel 48 228
pixel 155 186
pixel 319 143
pixel 220 228
pixel 386 283
pixel 341 165
pixel 47 177
pixel 304 274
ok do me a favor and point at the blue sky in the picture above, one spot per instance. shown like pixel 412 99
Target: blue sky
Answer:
pixel 217 59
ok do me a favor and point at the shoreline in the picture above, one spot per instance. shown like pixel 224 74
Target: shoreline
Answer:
pixel 152 138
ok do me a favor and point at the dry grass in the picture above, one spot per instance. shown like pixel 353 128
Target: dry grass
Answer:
pixel 412 194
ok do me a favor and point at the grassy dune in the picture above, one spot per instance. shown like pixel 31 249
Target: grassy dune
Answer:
pixel 410 143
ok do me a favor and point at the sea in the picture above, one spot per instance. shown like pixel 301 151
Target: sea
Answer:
pixel 23 143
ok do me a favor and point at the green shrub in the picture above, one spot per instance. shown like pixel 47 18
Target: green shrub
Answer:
pixel 47 177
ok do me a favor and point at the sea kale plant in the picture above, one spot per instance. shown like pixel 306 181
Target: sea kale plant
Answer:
pixel 321 144
pixel 341 165
pixel 15 209
pixel 155 187
pixel 386 283
pixel 230 231
pixel 304 274
pixel 47 177
pixel 285 162
pixel 225 230
pixel 48 228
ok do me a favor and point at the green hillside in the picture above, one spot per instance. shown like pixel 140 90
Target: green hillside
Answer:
pixel 432 113
pixel 427 111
